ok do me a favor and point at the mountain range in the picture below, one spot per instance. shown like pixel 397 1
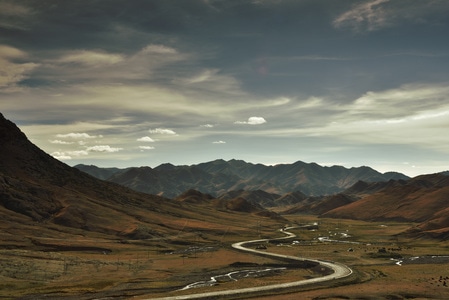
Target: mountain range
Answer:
pixel 41 197
pixel 333 192
pixel 219 177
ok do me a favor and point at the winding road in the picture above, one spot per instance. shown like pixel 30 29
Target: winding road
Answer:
pixel 339 271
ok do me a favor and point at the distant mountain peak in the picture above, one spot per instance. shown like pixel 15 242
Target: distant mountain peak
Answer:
pixel 165 167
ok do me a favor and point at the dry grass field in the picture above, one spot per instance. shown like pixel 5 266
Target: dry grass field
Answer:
pixel 39 263
pixel 102 267
pixel 406 269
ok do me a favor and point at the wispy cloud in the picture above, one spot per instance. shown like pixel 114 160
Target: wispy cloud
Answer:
pixel 99 66
pixel 372 15
pixel 103 148
pixel 146 147
pixel 77 152
pixel 15 16
pixel 368 15
pixel 91 58
pixel 413 114
pixel 219 142
pixel 203 76
pixel 14 9
pixel 158 49
pixel 7 51
pixel 77 135
pixel 60 142
pixel 13 72
pixel 311 57
pixel 404 101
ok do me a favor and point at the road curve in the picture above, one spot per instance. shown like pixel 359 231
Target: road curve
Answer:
pixel 340 271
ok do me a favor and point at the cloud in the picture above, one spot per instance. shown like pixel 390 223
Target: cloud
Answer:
pixel 145 139
pixel 373 15
pixel 60 142
pixel 312 57
pixel 203 76
pixel 67 155
pixel 146 147
pixel 219 142
pixel 404 101
pixel 7 51
pixel 77 135
pixel 60 155
pixel 150 58
pixel 256 121
pixel 162 131
pixel 77 153
pixel 96 66
pixel 14 9
pixel 91 58
pixel 211 81
pixel 412 115
pixel 13 72
pixel 207 125
pixel 158 49
pixel 368 15
pixel 312 102
pixel 103 148
pixel 14 16
pixel 252 121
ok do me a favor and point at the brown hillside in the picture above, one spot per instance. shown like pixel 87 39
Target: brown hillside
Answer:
pixel 320 205
pixel 238 204
pixel 194 196
pixel 423 199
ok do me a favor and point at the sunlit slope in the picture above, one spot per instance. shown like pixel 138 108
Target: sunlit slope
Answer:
pixel 423 199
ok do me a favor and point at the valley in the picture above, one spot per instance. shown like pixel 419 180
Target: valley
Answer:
pixel 224 149
pixel 65 234
pixel 102 267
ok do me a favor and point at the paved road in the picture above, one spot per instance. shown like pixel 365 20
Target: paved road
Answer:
pixel 340 271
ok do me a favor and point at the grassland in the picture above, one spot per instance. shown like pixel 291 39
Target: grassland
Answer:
pixel 386 263
pixel 88 267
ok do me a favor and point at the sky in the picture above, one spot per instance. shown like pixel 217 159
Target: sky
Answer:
pixel 118 83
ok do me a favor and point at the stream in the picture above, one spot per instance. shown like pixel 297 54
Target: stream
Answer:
pixel 234 276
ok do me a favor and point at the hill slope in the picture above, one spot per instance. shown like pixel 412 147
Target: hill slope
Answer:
pixel 423 199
